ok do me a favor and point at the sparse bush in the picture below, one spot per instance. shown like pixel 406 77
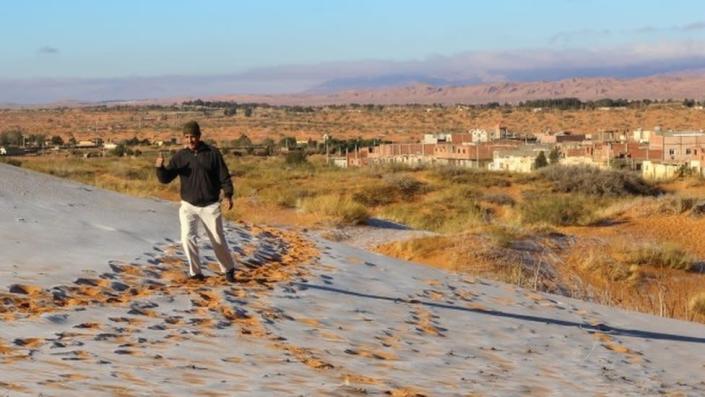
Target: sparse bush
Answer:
pixel 698 209
pixel 286 197
pixel 668 204
pixel 499 199
pixel 9 161
pixel 404 184
pixel 504 237
pixel 448 211
pixel 674 205
pixel 296 157
pixel 401 167
pixel 392 188
pixel 121 150
pixel 132 173
pixel 596 182
pixel 471 176
pixel 557 210
pixel 375 195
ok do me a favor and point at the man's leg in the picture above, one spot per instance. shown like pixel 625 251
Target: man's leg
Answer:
pixel 213 221
pixel 188 215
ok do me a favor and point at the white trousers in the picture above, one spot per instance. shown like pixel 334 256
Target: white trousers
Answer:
pixel 212 219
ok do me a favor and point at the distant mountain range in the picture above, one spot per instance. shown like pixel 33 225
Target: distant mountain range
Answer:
pixel 658 87
pixel 420 89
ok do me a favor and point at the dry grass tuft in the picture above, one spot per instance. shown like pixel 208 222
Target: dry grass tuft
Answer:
pixel 697 304
pixel 558 210
pixel 662 256
pixel 341 210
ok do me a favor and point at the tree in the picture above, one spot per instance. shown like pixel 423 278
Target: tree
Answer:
pixel 121 150
pixel 287 142
pixel 36 140
pixel 57 140
pixel 268 144
pixel 540 161
pixel 242 141
pixel 554 155
pixel 296 157
pixel 134 141
pixel 11 137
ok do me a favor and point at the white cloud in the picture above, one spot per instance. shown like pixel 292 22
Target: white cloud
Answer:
pixel 48 50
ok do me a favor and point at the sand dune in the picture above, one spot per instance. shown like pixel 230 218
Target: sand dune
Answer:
pixel 306 317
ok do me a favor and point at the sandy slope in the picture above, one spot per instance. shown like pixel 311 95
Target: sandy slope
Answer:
pixel 58 229
pixel 306 317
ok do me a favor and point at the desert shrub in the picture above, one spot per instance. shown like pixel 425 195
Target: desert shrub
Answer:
pixel 287 197
pixel 499 199
pixel 698 209
pixel 400 167
pixel 431 217
pixel 241 170
pixel 342 210
pixel 666 204
pixel 9 161
pixel 392 188
pixel 473 176
pixel 131 171
pixel 447 210
pixel 122 150
pixel 375 195
pixel 662 256
pixel 503 236
pixel 557 210
pixel 674 205
pixel 295 157
pixel 404 184
pixel 597 182
pixel 697 304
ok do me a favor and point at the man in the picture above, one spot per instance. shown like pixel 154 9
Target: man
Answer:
pixel 203 173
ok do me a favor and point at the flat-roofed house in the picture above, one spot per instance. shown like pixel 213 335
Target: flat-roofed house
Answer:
pixel 521 159
pixel 404 153
pixel 678 146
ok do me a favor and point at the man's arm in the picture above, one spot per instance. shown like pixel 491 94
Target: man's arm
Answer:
pixel 168 173
pixel 226 182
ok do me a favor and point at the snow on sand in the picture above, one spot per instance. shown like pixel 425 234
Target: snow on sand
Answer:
pixel 93 297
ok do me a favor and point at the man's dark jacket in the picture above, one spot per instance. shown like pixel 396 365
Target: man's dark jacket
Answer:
pixel 202 173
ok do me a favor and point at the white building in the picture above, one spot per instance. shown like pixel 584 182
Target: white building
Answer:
pixel 479 135
pixel 641 136
pixel 436 138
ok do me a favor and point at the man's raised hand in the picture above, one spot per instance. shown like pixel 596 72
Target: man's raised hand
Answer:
pixel 159 163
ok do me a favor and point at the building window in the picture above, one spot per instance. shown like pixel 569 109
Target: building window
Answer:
pixel 671 151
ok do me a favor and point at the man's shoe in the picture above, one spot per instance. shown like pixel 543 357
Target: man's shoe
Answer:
pixel 197 277
pixel 230 275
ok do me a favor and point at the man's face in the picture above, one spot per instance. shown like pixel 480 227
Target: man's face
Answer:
pixel 191 141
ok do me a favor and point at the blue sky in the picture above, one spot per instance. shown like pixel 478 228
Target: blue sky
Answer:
pixel 75 39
